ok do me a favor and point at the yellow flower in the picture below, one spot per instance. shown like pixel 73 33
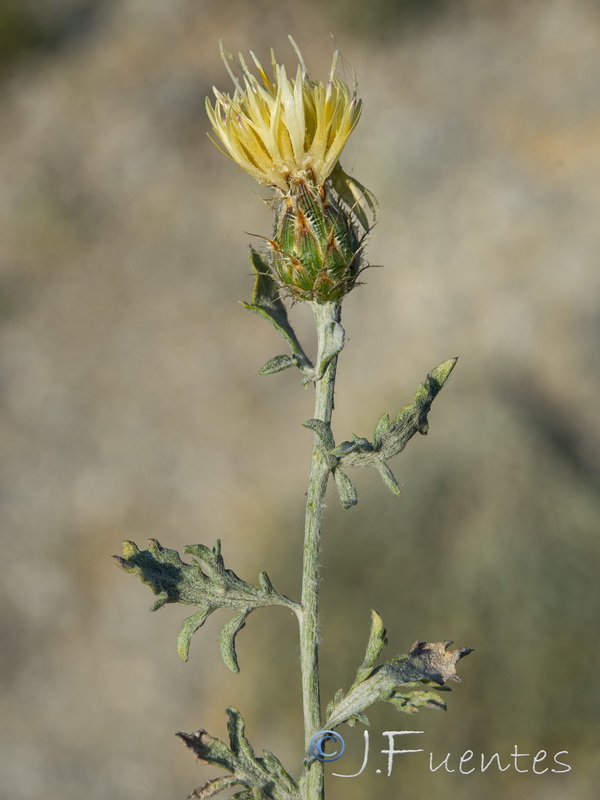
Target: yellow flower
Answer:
pixel 285 131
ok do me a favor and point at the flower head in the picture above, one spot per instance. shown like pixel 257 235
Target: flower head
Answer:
pixel 285 130
pixel 289 134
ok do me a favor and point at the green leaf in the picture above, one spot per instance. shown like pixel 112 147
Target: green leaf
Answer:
pixel 357 445
pixel 333 703
pixel 390 437
pixel 277 364
pixel 238 741
pixel 354 718
pixel 411 702
pixel 323 432
pixel 413 418
pixel 273 765
pixel 377 642
pixel 330 332
pixel 188 629
pixel 387 477
pixel 382 427
pixel 215 786
pixel 267 303
pixel 346 489
pixel 263 778
pixel 227 639
pixel 205 583
pixel 426 663
pixel 265 583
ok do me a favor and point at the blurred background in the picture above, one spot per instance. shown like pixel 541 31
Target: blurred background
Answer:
pixel 131 405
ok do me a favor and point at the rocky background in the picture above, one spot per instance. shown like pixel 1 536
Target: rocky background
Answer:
pixel 130 405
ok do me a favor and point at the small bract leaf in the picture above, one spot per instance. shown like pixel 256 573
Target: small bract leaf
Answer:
pixel 354 718
pixel 357 445
pixel 381 428
pixel 265 583
pixel 277 364
pixel 388 477
pixel 346 489
pixel 333 344
pixel 411 702
pixel 377 642
pixel 323 431
pixel 267 303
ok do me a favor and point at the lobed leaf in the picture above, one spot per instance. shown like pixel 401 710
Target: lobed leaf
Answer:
pixel 391 436
pixel 427 664
pixel 205 583
pixel 263 778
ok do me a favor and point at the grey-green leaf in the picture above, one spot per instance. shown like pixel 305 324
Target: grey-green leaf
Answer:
pixel 267 303
pixel 381 428
pixel 346 489
pixel 261 778
pixel 205 583
pixel 411 702
pixel 227 639
pixel 277 364
pixel 331 335
pixel 377 642
pixel 387 476
pixel 188 629
pixel 323 431
pixel 425 663
pixel 413 418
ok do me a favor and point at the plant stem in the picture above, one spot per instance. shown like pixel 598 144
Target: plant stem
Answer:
pixel 327 318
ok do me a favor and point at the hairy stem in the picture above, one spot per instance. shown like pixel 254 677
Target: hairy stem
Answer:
pixel 327 317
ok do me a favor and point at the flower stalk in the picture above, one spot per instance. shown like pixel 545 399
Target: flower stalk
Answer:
pixel 327 318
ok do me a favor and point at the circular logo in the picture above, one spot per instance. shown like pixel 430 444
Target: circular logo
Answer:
pixel 318 742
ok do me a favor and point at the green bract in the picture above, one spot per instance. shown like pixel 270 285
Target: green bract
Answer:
pixel 315 250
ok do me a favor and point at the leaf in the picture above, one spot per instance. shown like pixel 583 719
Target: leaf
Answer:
pixel 381 428
pixel 377 642
pixel 206 584
pixel 267 303
pixel 238 741
pixel 277 364
pixel 324 434
pixel 354 718
pixel 188 629
pixel 413 418
pixel 263 778
pixel 330 333
pixel 387 477
pixel 411 702
pixel 357 445
pixel 333 703
pixel 426 663
pixel 346 489
pixel 390 437
pixel 211 788
pixel 433 662
pixel 227 639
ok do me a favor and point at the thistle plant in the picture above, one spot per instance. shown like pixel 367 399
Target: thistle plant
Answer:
pixel 289 134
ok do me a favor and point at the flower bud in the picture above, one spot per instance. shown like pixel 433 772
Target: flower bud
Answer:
pixel 316 251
